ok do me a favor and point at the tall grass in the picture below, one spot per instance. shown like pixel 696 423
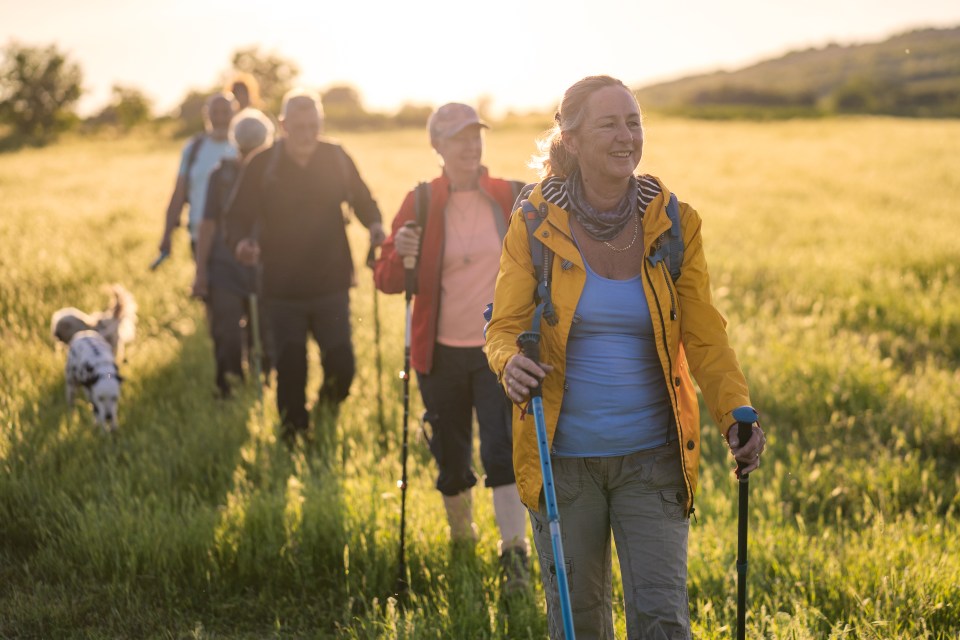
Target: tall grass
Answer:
pixel 833 247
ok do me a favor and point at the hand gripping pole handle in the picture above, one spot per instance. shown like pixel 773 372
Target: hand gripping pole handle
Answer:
pixel 529 343
pixel 410 269
pixel 745 417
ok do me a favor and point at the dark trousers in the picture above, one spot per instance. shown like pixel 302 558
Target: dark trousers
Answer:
pixel 228 315
pixel 327 319
pixel 460 382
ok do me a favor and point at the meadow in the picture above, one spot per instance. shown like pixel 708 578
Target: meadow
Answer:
pixel 834 250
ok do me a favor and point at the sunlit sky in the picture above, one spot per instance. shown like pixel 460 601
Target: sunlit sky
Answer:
pixel 521 55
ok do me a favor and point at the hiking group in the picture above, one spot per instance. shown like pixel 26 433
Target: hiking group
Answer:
pixel 610 260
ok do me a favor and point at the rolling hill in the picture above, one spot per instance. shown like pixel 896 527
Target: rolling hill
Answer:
pixel 911 74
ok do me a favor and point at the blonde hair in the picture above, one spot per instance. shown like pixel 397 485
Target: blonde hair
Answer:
pixel 552 157
pixel 249 83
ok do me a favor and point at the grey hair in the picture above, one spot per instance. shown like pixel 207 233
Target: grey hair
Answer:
pixel 552 157
pixel 300 98
pixel 250 129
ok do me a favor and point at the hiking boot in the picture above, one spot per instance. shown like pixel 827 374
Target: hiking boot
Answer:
pixel 515 570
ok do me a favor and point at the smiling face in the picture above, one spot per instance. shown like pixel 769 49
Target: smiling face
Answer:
pixel 609 143
pixel 462 152
pixel 301 125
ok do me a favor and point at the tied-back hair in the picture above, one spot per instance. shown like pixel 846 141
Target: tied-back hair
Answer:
pixel 552 157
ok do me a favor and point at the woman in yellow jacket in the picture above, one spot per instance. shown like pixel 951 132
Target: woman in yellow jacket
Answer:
pixel 619 403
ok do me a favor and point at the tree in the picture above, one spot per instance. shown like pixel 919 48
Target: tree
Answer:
pixel 38 86
pixel 128 107
pixel 343 109
pixel 190 112
pixel 275 74
pixel 413 115
pixel 131 105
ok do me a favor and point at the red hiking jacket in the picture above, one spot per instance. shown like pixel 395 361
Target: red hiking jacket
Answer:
pixel 388 271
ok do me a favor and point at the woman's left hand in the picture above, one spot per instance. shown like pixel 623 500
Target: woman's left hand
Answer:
pixel 747 455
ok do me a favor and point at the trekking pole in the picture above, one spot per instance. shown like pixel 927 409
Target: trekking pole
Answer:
pixel 410 289
pixel 160 259
pixel 529 342
pixel 257 355
pixel 371 261
pixel 745 417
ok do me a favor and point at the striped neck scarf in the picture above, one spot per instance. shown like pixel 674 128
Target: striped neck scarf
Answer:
pixel 601 225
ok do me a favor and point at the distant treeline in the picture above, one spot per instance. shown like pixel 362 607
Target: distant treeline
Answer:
pixel 915 74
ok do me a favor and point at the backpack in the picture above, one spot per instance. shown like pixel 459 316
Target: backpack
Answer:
pixel 668 250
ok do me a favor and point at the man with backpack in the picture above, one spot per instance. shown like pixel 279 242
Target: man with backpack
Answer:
pixel 459 220
pixel 200 157
pixel 286 214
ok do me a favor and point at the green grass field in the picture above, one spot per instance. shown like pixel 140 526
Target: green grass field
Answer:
pixel 834 249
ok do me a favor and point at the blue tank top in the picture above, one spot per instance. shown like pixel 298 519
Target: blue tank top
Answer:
pixel 615 400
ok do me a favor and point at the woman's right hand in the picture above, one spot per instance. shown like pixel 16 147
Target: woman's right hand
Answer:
pixel 406 241
pixel 521 375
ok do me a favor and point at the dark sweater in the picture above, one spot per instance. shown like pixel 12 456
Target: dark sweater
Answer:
pixel 295 214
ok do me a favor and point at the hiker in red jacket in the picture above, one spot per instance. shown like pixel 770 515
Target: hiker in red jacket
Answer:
pixel 460 223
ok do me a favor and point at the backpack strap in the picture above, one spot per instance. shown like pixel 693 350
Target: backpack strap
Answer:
pixel 541 256
pixel 675 244
pixel 669 247
pixel 516 188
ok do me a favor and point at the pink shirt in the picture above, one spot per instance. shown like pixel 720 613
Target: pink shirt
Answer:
pixel 471 260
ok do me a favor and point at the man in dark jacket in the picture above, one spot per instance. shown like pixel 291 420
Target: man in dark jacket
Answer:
pixel 286 214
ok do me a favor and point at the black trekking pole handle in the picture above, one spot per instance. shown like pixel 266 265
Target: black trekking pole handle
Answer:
pixel 529 343
pixel 745 417
pixel 410 269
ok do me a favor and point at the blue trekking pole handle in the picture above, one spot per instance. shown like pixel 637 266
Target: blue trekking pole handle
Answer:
pixel 745 417
pixel 529 342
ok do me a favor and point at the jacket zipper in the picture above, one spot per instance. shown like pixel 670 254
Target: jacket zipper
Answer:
pixel 673 392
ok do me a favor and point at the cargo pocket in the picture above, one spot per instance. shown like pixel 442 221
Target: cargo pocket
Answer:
pixel 674 503
pixel 567 479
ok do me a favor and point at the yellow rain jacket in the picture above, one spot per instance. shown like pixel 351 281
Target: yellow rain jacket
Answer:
pixel 694 342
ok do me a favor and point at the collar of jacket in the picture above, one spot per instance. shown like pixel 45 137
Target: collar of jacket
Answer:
pixel 559 237
pixel 444 180
pixel 440 189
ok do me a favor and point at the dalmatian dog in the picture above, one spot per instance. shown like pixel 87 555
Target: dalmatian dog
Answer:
pixel 117 324
pixel 95 341
pixel 90 367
